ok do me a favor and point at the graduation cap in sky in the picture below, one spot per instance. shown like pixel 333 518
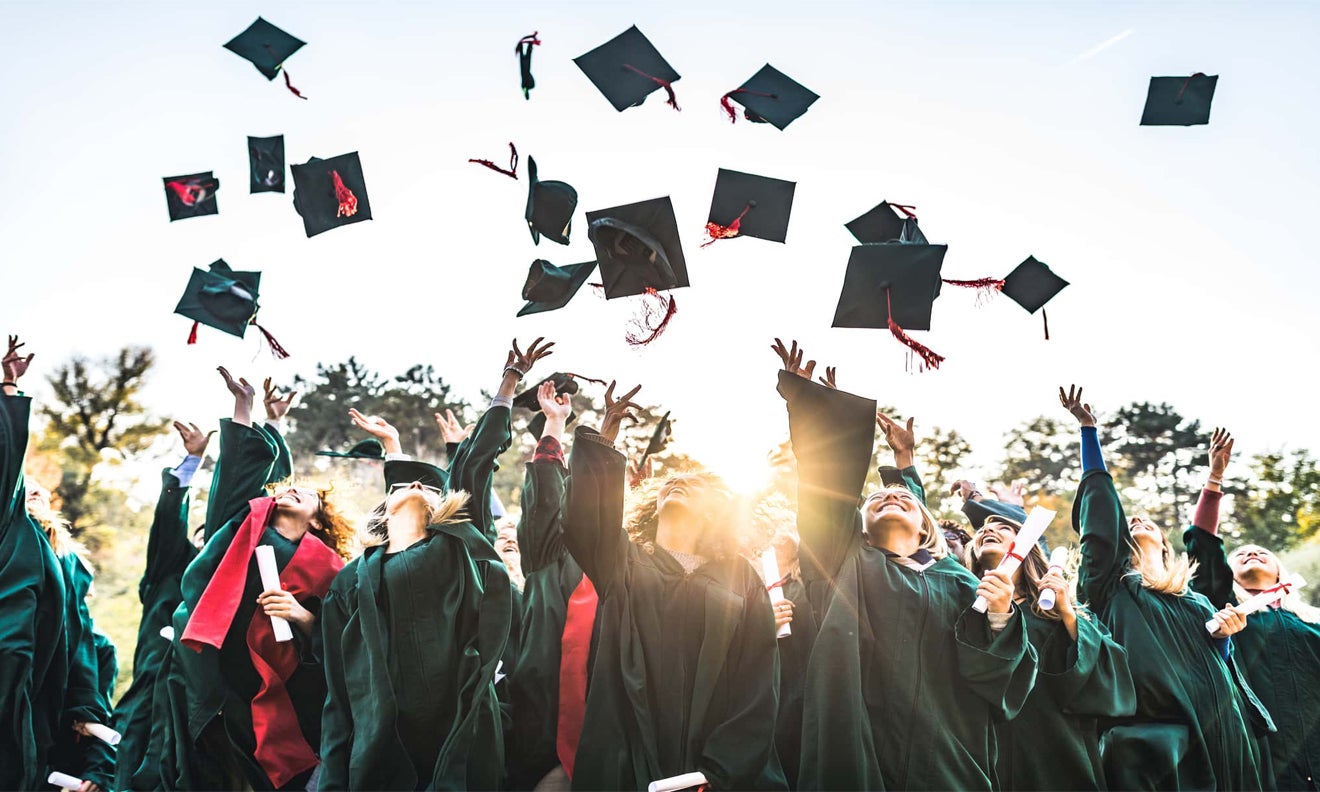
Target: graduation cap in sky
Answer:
pixel 191 196
pixel 225 299
pixel 1179 101
pixel 887 222
pixel 549 287
pixel 769 97
pixel 550 207
pixel 748 205
pixel 367 449
pixel 893 285
pixel 627 68
pixel 659 439
pixel 267 47
pixel 1031 285
pixel 565 385
pixel 266 164
pixel 330 193
pixel 639 252
pixel 524 50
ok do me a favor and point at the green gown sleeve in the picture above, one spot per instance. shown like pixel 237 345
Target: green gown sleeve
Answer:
pixel 1090 676
pixel 244 465
pixel 84 701
pixel 540 528
pixel 14 411
pixel 168 548
pixel 336 718
pixel 908 477
pixel 593 516
pixel 1213 577
pixel 282 468
pixel 998 667
pixel 1098 516
pixel 474 464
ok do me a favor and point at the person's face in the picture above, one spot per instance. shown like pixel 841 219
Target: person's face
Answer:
pixel 506 544
pixel 38 497
pixel 1253 566
pixel 1146 534
pixel 895 505
pixel 992 542
pixel 298 502
pixel 686 493
pixel 954 539
pixel 412 496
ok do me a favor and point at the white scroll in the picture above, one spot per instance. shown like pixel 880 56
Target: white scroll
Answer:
pixel 1058 557
pixel 104 733
pixel 270 581
pixel 1032 530
pixel 770 571
pixel 64 781
pixel 678 782
pixel 1263 600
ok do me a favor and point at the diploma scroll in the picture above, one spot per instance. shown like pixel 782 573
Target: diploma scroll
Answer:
pixel 1032 530
pixel 1264 599
pixel 64 781
pixel 770 571
pixel 1058 557
pixel 270 581
pixel 104 733
pixel 678 782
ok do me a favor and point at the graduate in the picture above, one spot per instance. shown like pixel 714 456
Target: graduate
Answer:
pixel 169 552
pixel 415 627
pixel 33 641
pixel 905 679
pixel 1082 676
pixel 1280 648
pixel 243 707
pixel 685 673
pixel 1195 711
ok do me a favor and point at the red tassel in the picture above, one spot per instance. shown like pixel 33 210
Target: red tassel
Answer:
pixel 347 200
pixel 192 336
pixel 717 231
pixel 929 358
pixel 909 211
pixel 276 349
pixel 571 375
pixel 669 89
pixel 512 172
pixel 645 321
pixel 985 287
pixel 727 103
pixel 289 85
pixel 188 193
pixel 1178 99
pixel 1046 320
pixel 531 41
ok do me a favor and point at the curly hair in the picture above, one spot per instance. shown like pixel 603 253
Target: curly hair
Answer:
pixel 335 530
pixel 721 526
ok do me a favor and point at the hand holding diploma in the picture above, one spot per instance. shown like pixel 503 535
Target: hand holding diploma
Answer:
pixel 678 782
pixel 99 731
pixel 270 581
pixel 1032 530
pixel 783 608
pixel 1048 593
pixel 1225 620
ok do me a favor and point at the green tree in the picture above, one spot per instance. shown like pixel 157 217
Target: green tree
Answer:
pixel 1158 458
pixel 1043 452
pixel 1276 505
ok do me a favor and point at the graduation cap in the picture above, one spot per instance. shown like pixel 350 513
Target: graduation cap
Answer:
pixel 330 193
pixel 267 47
pixel 978 511
pixel 550 207
pixel 565 384
pixel 1179 101
pixel 370 448
pixel 748 205
pixel 549 287
pixel 659 439
pixel 638 249
pixel 627 68
pixel 524 50
pixel 409 471
pixel 225 299
pixel 266 164
pixel 886 223
pixel 191 196
pixel 769 97
pixel 893 285
pixel 1031 285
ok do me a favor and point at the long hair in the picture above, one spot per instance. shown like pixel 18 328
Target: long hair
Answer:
pixel 335 530
pixel 1293 601
pixel 56 528
pixel 1034 567
pixel 1178 568
pixel 932 536
pixel 720 534
pixel 450 509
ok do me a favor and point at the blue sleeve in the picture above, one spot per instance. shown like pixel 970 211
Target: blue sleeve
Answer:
pixel 1092 457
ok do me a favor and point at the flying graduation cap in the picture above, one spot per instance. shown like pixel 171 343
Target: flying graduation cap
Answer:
pixel 524 50
pixel 266 164
pixel 639 252
pixel 370 448
pixel 659 439
pixel 1031 285
pixel 748 205
pixel 627 69
pixel 549 287
pixel 330 193
pixel 225 299
pixel 769 97
pixel 1179 101
pixel 267 47
pixel 191 196
pixel 550 207
pixel 886 222
pixel 565 384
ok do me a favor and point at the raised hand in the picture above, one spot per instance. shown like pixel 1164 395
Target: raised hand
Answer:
pixel 451 429
pixel 828 379
pixel 378 428
pixel 556 407
pixel 899 437
pixel 1015 493
pixel 616 410
pixel 277 404
pixel 965 490
pixel 194 439
pixel 1221 450
pixel 792 359
pixel 15 365
pixel 244 395
pixel 522 362
pixel 1072 402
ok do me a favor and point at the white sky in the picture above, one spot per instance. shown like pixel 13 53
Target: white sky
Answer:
pixel 1011 126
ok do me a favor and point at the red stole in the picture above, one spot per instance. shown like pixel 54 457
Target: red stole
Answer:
pixel 281 749
pixel 574 653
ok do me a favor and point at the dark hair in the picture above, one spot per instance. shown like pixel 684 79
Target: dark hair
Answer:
pixel 1034 567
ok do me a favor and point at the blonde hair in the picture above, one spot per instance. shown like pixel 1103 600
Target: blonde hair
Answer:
pixel 1178 568
pixel 642 519
pixel 450 510
pixel 56 528
pixel 336 530
pixel 932 536
pixel 1034 567
pixel 1292 601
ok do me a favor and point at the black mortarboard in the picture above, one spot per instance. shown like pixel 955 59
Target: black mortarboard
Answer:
pixel 266 46
pixel 1179 101
pixel 659 439
pixel 408 471
pixel 627 68
pixel 638 247
pixel 191 196
pixel 370 448
pixel 330 193
pixel 1032 284
pixel 978 511
pixel 893 285
pixel 524 50
pixel 770 97
pixel 550 207
pixel 266 164
pixel 565 384
pixel 222 298
pixel 748 205
pixel 549 287
pixel 884 223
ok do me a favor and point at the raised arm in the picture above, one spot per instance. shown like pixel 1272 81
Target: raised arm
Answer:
pixel 1214 577
pixel 540 529
pixel 903 441
pixel 168 547
pixel 1097 513
pixel 245 463
pixel 15 411
pixel 277 406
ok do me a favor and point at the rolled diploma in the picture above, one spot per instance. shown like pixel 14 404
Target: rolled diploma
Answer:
pixel 1032 530
pixel 270 581
pixel 64 781
pixel 167 632
pixel 103 732
pixel 770 571
pixel 1058 557
pixel 1263 600
pixel 675 783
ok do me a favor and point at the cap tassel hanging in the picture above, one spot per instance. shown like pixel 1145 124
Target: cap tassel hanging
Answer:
pixel 718 232
pixel 985 287
pixel 571 375
pixel 276 348
pixel 192 334
pixel 524 50
pixel 669 89
pixel 289 85
pixel 347 200
pixel 512 172
pixel 727 103
pixel 645 321
pixel 1046 320
pixel 929 358
pixel 1183 89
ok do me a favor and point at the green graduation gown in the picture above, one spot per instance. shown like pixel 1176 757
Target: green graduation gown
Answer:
pixel 412 641
pixel 1193 724
pixel 685 675
pixel 1280 654
pixel 33 642
pixel 905 680
pixel 88 758
pixel 168 554
pixel 107 667
pixel 1054 742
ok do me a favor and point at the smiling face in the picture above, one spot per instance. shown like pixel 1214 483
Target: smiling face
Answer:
pixel 992 542
pixel 412 496
pixel 892 507
pixel 506 543
pixel 299 503
pixel 1146 534
pixel 1254 567
pixel 683 493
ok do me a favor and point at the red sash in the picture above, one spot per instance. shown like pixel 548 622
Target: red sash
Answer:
pixel 574 653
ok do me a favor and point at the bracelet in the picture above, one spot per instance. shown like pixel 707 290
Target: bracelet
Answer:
pixel 7 382
pixel 515 370
pixel 1216 481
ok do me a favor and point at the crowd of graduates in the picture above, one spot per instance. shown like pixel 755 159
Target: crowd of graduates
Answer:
pixel 642 631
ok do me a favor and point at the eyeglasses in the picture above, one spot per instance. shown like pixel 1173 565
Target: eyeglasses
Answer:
pixel 411 484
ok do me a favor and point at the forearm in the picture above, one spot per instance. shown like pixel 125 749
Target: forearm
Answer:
pixel 242 410
pixel 508 384
pixel 1207 510
pixel 1093 457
